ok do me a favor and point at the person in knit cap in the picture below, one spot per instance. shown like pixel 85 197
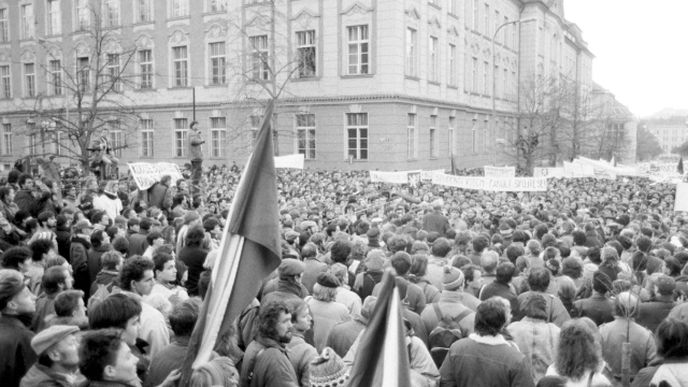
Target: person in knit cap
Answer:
pixel 449 310
pixel 58 358
pixel 325 310
pixel 328 370
pixel 17 305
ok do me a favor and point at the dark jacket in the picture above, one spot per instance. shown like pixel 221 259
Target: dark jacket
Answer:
pixel 343 335
pixel 650 314
pixel 168 359
pixel 193 257
pixel 78 257
pixel 267 360
pixel 156 195
pixel 597 307
pixel 15 347
pixel 137 244
pixel 94 264
pixel 26 202
pixel 105 277
pixel 436 222
pixel 64 238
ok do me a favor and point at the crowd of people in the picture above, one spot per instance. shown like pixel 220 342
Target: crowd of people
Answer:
pixel 581 285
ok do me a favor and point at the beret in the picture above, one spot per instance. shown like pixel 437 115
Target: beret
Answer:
pixel 290 266
pixel 327 280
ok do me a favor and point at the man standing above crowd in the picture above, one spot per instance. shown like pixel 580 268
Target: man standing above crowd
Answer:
pixel 196 155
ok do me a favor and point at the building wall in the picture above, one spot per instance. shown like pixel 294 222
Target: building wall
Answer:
pixel 388 92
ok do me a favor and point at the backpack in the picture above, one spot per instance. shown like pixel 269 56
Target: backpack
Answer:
pixel 445 334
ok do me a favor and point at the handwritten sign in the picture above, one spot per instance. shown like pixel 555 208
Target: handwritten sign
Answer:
pixel 499 172
pixel 555 172
pixel 147 174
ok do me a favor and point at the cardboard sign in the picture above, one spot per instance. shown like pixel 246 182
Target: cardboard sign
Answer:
pixel 389 177
pixel 290 161
pixel 147 174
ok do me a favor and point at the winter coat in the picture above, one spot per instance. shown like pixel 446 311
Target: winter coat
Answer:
pixel 537 340
pixel 450 307
pixel 15 345
pixel 269 363
pixel 301 354
pixel 78 257
pixel 643 348
pixel 42 376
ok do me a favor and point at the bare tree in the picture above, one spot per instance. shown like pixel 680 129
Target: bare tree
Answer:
pixel 85 94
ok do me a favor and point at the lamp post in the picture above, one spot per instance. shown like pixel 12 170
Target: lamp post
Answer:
pixel 494 76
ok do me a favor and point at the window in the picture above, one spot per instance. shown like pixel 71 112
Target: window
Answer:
pixel 486 22
pixel 55 80
pixel 83 15
pixel 411 52
pixel 113 71
pixel 180 135
pixel 218 69
pixel 474 138
pixel 27 24
pixel 451 71
pixel 452 6
pixel 179 8
pixel 358 49
pixel 83 73
pixel 434 144
pixel 110 12
pixel 117 142
pixel 476 14
pixel 147 138
pixel 146 69
pixel 357 135
pixel 218 136
pixel 29 80
pixel 4 25
pixel 486 74
pixel 180 66
pixel 305 135
pixel 33 143
pixel 255 127
pixel 5 84
pixel 411 152
pixel 434 56
pixel 305 51
pixel 54 25
pixel 145 11
pixel 217 5
pixel 6 139
pixel 450 132
pixel 474 74
pixel 260 69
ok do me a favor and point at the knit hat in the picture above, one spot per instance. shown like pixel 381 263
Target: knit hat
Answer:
pixel 11 283
pixel 505 230
pixel 327 280
pixel 51 336
pixel 375 260
pixel 665 285
pixel 328 369
pixel 452 278
pixel 290 267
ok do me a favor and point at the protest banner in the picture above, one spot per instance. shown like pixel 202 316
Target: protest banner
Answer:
pixel 681 199
pixel 499 172
pixel 390 177
pixel 427 175
pixel 513 184
pixel 290 161
pixel 147 174
pixel 556 172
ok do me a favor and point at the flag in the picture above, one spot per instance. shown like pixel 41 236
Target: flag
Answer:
pixel 680 166
pixel 249 251
pixel 382 357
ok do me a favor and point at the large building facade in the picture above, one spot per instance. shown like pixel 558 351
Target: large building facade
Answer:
pixel 362 84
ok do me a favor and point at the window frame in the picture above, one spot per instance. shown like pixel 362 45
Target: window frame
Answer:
pixel 147 138
pixel 260 67
pixel 55 76
pixel 29 79
pixel 361 51
pixel 53 17
pixel 7 148
pixel 306 53
pixel 306 134
pixel 356 153
pixel 217 72
pixel 180 66
pixel 433 59
pixel 5 25
pixel 218 136
pixel 411 52
pixel 27 22
pixel 181 136
pixel 6 81
pixel 145 69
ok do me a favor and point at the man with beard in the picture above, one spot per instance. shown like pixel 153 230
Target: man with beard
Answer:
pixel 58 358
pixel 266 363
pixel 17 305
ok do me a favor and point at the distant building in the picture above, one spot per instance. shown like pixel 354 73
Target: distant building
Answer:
pixel 616 131
pixel 670 131
pixel 372 84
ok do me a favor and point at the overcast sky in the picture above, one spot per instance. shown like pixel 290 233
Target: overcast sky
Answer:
pixel 640 48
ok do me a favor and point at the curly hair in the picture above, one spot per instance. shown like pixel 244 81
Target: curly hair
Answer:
pixel 268 317
pixel 672 338
pixel 133 270
pixel 490 317
pixel 578 350
pixel 113 312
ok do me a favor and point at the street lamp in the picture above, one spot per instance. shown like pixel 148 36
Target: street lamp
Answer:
pixel 494 75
